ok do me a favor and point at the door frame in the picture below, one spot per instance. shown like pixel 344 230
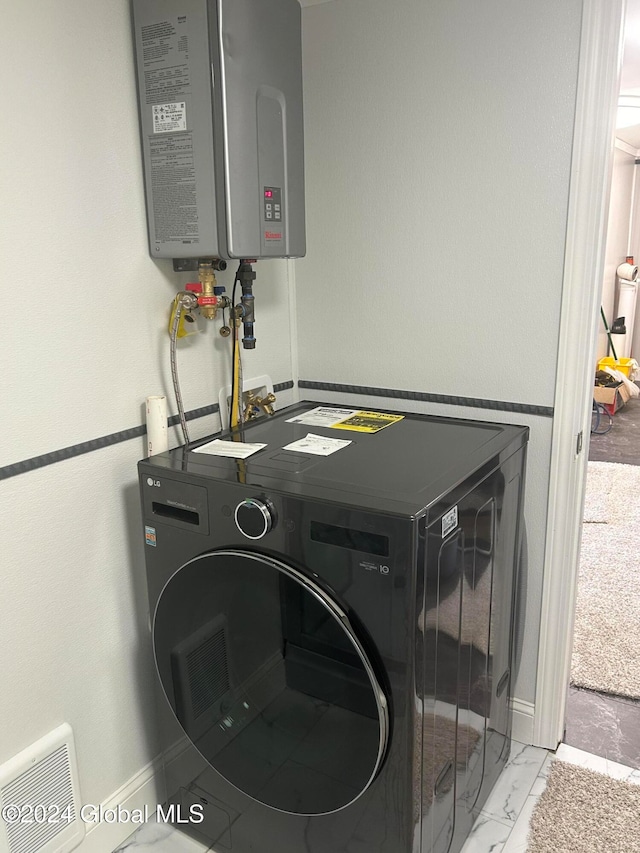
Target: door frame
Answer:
pixel 592 163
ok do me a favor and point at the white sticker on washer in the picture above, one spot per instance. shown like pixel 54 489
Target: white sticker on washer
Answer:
pixel 325 416
pixel 317 444
pixel 168 118
pixel 449 521
pixel 234 449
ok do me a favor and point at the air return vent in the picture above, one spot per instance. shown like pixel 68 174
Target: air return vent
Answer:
pixel 40 787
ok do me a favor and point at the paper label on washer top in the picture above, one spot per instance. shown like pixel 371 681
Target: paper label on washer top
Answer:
pixel 319 445
pixel 325 416
pixel 234 449
pixel 368 421
pixel 355 420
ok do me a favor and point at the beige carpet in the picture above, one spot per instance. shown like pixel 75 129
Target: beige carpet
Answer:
pixel 606 651
pixel 582 811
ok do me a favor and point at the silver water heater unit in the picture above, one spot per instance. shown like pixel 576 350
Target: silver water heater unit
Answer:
pixel 220 95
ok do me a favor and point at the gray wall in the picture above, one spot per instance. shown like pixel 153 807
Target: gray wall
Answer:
pixel 84 341
pixel 438 153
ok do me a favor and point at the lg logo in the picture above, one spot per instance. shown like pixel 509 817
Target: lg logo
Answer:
pixel 152 482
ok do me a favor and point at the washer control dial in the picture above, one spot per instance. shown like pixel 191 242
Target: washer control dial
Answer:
pixel 254 518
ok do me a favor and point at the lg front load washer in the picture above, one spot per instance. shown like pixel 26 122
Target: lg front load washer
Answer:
pixel 333 634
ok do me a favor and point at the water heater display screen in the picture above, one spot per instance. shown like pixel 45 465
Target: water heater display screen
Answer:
pixel 273 204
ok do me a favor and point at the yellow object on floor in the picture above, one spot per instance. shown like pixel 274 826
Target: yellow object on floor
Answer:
pixel 624 365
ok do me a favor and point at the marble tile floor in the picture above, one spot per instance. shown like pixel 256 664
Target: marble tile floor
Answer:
pixel 501 827
pixel 504 822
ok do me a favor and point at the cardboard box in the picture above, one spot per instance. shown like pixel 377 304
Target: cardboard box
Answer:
pixel 611 398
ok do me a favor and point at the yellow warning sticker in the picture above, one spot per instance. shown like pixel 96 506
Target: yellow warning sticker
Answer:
pixel 368 421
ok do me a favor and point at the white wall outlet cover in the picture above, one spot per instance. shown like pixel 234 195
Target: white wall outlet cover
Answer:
pixel 260 385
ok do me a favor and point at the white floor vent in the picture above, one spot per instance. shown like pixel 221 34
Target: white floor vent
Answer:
pixel 39 797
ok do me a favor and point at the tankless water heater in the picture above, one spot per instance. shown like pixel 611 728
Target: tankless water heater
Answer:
pixel 220 95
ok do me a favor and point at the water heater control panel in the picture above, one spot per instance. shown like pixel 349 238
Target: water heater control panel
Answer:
pixel 273 204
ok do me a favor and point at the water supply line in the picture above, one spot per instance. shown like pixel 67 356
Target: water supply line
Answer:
pixel 185 301
pixel 205 296
pixel 235 415
pixel 241 313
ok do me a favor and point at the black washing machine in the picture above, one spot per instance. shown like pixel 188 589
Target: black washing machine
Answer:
pixel 333 634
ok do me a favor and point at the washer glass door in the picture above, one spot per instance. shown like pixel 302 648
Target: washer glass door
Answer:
pixel 301 731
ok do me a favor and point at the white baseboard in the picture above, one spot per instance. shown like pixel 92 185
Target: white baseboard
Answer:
pixel 522 711
pixel 142 789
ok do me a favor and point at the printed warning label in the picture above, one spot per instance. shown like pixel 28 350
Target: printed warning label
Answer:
pixel 319 445
pixel 173 181
pixel 168 118
pixel 368 421
pixel 449 521
pixel 322 416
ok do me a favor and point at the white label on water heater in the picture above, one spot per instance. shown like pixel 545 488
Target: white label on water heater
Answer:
pixel 449 521
pixel 168 118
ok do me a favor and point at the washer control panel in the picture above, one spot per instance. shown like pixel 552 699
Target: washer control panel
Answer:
pixel 255 517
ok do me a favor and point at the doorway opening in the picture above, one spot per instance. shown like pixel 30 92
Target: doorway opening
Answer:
pixel 603 702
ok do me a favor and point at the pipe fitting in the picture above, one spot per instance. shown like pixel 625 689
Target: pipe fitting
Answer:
pixel 247 276
pixel 208 301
